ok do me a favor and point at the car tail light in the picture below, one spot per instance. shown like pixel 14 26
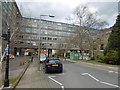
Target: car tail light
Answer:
pixel 60 65
pixel 49 65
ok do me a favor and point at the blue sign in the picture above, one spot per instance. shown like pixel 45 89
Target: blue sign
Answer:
pixel 6 50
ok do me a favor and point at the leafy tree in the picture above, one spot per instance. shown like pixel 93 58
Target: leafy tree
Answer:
pixel 114 42
pixel 111 57
pixel 100 57
pixel 87 21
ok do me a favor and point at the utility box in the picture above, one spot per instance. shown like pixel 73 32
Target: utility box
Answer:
pixel 74 56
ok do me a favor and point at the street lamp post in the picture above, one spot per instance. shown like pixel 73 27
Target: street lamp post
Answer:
pixel 6 81
pixel 39 50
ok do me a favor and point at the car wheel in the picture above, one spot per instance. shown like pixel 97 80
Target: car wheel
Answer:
pixel 46 71
pixel 61 71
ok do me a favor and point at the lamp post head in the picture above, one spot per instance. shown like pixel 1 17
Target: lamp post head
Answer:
pixel 48 16
pixel 51 16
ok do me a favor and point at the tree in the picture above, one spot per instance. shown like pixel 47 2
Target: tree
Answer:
pixel 86 21
pixel 114 40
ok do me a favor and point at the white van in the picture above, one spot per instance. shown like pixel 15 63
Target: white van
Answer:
pixel 42 57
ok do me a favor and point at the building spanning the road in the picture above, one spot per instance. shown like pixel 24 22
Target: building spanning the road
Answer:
pixel 29 33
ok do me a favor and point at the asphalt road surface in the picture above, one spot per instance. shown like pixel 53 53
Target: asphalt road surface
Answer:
pixel 79 75
pixel 14 65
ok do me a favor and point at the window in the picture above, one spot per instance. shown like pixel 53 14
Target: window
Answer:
pixel 102 47
pixel 44 38
pixel 49 38
pixel 54 38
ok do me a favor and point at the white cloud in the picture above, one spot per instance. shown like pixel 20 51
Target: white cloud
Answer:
pixel 67 1
pixel 93 9
pixel 106 9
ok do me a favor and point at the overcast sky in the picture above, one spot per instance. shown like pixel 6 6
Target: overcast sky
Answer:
pixel 107 9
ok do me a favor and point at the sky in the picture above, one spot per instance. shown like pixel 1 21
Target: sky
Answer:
pixel 107 10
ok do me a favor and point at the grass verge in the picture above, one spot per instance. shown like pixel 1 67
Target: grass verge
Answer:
pixel 12 80
pixel 97 62
pixel 0 83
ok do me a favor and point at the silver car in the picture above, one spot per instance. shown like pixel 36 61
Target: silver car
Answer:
pixel 42 58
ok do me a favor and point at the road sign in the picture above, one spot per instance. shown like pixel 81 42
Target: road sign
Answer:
pixel 6 50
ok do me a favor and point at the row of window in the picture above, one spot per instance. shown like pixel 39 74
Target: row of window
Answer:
pixel 48 32
pixel 34 37
pixel 58 45
pixel 50 25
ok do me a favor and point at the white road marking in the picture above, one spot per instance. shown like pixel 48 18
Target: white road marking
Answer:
pixel 109 84
pixel 113 72
pixel 55 80
pixel 1 87
pixel 116 72
pixel 110 71
pixel 90 76
pixel 62 87
pixel 100 81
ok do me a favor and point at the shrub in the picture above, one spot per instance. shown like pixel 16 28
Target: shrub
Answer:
pixel 100 57
pixel 111 57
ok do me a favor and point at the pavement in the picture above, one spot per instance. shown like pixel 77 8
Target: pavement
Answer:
pixel 33 78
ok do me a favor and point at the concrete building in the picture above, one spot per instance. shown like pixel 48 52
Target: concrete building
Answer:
pixel 0 29
pixel 119 7
pixel 10 12
pixel 29 32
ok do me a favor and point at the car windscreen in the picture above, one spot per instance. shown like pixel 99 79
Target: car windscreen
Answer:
pixel 54 61
pixel 43 56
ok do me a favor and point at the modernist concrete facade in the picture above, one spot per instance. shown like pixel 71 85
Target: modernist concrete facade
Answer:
pixel 0 29
pixel 119 7
pixel 28 32
pixel 10 12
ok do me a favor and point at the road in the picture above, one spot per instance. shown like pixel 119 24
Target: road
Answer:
pixel 79 75
pixel 14 66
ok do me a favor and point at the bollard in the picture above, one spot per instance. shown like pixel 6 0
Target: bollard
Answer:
pixel 22 62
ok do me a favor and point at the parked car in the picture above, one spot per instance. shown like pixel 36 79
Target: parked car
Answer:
pixel 42 58
pixel 11 56
pixel 53 64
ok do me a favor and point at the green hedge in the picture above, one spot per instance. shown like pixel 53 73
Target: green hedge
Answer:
pixel 111 57
pixel 99 57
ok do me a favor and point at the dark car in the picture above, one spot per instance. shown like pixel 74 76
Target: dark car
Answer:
pixel 53 64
